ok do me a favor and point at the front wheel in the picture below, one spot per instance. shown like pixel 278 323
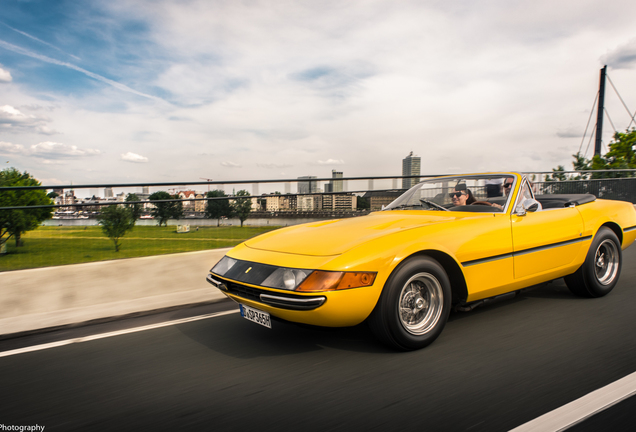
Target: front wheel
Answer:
pixel 414 305
pixel 599 273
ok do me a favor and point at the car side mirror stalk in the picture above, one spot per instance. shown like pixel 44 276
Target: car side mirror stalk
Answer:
pixel 527 205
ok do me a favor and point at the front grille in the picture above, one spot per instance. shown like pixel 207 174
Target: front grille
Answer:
pixel 245 291
pixel 276 299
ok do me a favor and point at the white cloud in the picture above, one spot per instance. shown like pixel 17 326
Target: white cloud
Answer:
pixel 54 150
pixel 623 57
pixel 14 120
pixel 9 113
pixel 8 148
pixel 54 181
pixel 5 76
pixel 134 157
pixel 47 150
pixel 301 87
pixel 228 164
pixel 331 162
pixel 273 165
pixel 53 162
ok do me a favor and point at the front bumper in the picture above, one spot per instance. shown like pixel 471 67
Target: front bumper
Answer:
pixel 279 300
pixel 341 308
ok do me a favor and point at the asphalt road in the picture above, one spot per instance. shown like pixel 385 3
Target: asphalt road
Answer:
pixel 492 369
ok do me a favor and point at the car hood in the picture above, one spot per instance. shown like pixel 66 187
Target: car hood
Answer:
pixel 334 237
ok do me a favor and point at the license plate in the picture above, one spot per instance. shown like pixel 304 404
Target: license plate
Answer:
pixel 255 315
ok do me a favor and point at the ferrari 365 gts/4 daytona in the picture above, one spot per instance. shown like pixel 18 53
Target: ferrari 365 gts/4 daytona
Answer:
pixel 446 242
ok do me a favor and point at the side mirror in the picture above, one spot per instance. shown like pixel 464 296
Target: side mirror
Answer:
pixel 528 205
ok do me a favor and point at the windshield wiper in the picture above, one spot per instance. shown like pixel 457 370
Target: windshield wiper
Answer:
pixel 432 205
pixel 400 207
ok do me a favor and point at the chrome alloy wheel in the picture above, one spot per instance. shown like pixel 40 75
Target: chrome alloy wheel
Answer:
pixel 420 304
pixel 606 262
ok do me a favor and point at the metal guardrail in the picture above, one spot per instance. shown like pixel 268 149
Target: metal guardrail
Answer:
pixel 623 188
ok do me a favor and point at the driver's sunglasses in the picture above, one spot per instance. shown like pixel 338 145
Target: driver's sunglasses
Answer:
pixel 455 194
pixel 507 185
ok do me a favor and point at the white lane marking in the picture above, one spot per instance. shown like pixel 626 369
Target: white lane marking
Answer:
pixel 111 334
pixel 575 412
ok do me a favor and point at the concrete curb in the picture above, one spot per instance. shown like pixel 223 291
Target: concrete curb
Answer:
pixel 57 296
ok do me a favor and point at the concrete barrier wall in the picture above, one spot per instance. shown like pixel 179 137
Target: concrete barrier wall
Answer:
pixel 52 296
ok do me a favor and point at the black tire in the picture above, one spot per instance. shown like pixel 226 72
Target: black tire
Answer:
pixel 422 285
pixel 602 267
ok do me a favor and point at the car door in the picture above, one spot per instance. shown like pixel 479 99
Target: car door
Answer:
pixel 545 240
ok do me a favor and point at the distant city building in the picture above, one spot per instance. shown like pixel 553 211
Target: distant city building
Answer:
pixel 410 167
pixel 67 199
pixel 308 203
pixel 108 192
pixel 289 202
pixel 336 185
pixel 307 187
pixel 378 199
pixel 189 203
pixel 272 203
pixel 145 190
pixel 339 202
pixel 256 204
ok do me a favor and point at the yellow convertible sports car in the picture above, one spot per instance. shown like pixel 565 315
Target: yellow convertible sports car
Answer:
pixel 447 242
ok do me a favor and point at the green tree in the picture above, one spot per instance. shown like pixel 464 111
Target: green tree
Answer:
pixel 580 164
pixel 242 206
pixel 621 156
pixel 165 210
pixel 363 203
pixel 135 209
pixel 116 221
pixel 557 174
pixel 13 223
pixel 218 208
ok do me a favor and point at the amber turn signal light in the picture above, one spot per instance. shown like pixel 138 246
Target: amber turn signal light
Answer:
pixel 331 281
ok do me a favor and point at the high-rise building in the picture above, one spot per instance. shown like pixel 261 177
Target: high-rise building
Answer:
pixel 336 185
pixel 307 186
pixel 108 192
pixel 410 167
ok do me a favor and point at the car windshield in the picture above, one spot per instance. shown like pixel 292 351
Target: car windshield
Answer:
pixel 477 193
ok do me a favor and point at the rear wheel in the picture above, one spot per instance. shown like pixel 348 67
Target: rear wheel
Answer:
pixel 414 305
pixel 599 273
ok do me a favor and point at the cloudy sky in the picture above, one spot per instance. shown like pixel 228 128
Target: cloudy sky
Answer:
pixel 165 90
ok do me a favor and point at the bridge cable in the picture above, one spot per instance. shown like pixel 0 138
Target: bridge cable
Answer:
pixel 610 120
pixel 590 140
pixel 629 112
pixel 588 124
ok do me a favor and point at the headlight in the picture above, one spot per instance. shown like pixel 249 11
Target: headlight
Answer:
pixel 286 278
pixel 223 266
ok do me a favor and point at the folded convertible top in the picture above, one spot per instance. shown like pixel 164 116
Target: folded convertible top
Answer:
pixel 564 200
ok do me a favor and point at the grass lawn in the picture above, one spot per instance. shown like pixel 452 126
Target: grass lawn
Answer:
pixel 53 246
